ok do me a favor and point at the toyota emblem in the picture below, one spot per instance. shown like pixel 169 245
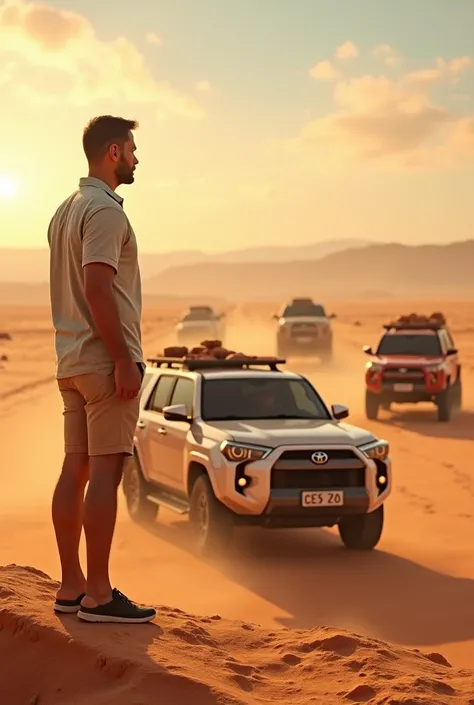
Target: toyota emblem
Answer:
pixel 320 458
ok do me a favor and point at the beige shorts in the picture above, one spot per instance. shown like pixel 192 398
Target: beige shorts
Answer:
pixel 96 420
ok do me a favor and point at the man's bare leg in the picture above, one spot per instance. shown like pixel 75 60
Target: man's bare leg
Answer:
pixel 67 513
pixel 100 514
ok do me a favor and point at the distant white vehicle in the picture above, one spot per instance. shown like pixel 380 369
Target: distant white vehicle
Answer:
pixel 304 329
pixel 198 324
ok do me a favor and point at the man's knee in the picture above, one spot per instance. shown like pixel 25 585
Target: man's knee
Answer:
pixel 76 467
pixel 105 471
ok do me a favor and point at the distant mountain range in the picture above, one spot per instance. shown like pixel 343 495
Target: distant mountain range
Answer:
pixel 374 270
pixel 32 266
pixel 363 271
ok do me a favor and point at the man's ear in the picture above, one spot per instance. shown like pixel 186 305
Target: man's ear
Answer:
pixel 114 152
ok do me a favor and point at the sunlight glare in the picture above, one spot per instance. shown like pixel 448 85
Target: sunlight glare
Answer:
pixel 8 187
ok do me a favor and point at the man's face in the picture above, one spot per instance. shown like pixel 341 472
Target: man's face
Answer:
pixel 125 168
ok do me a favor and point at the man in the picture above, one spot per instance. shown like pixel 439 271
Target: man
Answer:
pixel 95 294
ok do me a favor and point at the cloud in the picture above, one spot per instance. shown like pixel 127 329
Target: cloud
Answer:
pixel 385 53
pixel 203 87
pixel 58 52
pixel 348 50
pixel 324 71
pixel 380 119
pixel 153 39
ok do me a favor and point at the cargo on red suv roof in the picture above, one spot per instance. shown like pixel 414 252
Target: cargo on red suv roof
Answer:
pixel 415 361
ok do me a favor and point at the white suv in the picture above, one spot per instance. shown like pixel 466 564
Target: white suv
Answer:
pixel 238 441
pixel 198 323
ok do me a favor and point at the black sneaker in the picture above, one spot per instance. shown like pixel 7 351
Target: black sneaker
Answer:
pixel 68 606
pixel 120 610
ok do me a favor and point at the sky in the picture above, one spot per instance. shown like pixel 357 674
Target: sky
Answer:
pixel 261 122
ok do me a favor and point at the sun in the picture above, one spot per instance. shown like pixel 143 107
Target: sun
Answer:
pixel 8 187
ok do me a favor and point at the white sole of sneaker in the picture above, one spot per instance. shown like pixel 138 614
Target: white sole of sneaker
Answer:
pixel 66 610
pixel 86 617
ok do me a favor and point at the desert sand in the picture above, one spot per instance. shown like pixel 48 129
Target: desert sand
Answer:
pixel 289 616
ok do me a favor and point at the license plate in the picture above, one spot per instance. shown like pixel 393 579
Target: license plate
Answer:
pixel 333 498
pixel 403 387
pixel 304 339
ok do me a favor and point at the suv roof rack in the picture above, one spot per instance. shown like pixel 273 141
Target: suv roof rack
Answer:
pixel 418 322
pixel 192 364
pixel 431 325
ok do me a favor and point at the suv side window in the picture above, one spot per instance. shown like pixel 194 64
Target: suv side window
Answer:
pixel 183 393
pixel 444 340
pixel 449 339
pixel 161 393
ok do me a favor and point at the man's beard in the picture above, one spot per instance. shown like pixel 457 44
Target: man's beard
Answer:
pixel 124 173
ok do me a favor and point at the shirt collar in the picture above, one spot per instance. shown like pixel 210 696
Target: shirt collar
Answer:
pixel 98 183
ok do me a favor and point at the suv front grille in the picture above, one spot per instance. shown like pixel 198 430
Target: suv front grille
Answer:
pixel 403 374
pixel 333 454
pixel 294 469
pixel 316 479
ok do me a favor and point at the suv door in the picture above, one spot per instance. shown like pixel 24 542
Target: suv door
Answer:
pixel 153 417
pixel 174 437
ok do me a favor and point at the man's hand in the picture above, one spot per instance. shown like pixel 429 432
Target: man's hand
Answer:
pixel 128 379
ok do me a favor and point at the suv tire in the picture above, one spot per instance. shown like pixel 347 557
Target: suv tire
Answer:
pixel 445 404
pixel 372 404
pixel 136 489
pixel 212 523
pixel 362 532
pixel 326 356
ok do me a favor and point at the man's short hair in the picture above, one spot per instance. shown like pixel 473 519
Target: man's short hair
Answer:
pixel 103 131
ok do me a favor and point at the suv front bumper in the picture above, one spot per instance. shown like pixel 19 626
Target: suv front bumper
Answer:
pixel 269 500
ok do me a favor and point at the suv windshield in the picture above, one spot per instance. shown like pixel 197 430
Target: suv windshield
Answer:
pixel 260 398
pixel 409 344
pixel 303 308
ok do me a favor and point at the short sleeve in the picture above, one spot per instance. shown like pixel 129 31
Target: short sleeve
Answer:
pixel 104 233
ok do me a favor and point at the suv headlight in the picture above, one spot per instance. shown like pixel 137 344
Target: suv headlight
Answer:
pixel 434 368
pixel 374 366
pixel 376 450
pixel 240 452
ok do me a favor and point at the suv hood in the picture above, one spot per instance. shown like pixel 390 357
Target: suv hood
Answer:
pixel 273 433
pixel 407 360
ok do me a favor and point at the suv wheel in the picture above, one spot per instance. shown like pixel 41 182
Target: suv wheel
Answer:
pixel 458 394
pixel 135 488
pixel 211 521
pixel 445 403
pixel 371 405
pixel 326 356
pixel 362 532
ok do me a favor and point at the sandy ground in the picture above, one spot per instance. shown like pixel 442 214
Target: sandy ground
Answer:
pixel 416 590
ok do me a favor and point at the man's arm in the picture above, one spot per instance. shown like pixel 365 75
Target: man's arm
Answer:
pixel 104 234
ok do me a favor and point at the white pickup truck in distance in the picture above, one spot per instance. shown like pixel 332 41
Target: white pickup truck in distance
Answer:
pixel 241 442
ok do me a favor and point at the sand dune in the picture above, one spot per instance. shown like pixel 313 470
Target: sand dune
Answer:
pixel 183 659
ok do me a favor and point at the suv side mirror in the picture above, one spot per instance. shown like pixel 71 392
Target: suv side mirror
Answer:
pixel 367 349
pixel 452 351
pixel 275 317
pixel 176 412
pixel 332 315
pixel 339 411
